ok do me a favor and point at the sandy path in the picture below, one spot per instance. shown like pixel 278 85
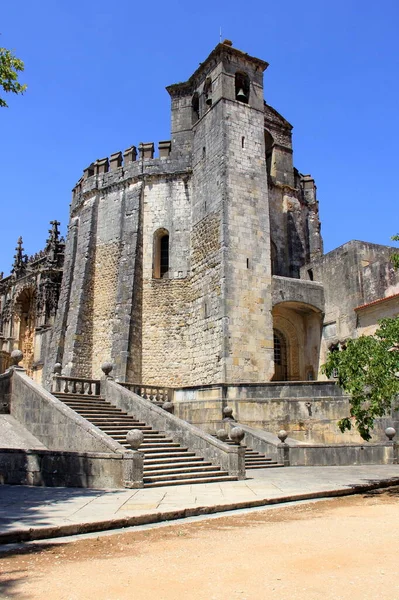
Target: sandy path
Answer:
pixel 337 549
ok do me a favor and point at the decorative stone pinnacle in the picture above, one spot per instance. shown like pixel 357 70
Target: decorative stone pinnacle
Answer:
pixel 222 435
pixel 57 369
pixel 135 438
pixel 106 368
pixel 16 357
pixel 228 414
pixel 20 259
pixel 282 435
pixel 390 432
pixel 237 435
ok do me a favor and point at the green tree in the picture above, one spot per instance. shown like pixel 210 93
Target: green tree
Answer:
pixel 10 67
pixel 395 257
pixel 368 370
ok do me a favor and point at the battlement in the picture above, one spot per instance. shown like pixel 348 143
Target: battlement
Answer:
pixel 117 160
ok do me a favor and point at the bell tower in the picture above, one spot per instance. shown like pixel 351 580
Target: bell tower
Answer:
pixel 218 116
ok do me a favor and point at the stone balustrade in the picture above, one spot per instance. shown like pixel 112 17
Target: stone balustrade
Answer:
pixel 156 394
pixel 75 385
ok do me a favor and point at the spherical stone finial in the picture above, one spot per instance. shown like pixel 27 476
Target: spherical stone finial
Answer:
pixel 57 369
pixel 237 435
pixel 168 406
pixel 390 432
pixel 16 357
pixel 228 413
pixel 222 435
pixel 282 435
pixel 135 438
pixel 106 368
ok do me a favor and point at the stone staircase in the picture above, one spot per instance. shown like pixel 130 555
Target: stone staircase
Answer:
pixel 257 460
pixel 165 461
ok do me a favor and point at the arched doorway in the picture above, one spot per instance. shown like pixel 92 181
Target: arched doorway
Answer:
pixel 297 335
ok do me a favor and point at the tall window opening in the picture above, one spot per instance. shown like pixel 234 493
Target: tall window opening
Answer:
pixel 161 254
pixel 195 108
pixel 269 144
pixel 208 91
pixel 242 85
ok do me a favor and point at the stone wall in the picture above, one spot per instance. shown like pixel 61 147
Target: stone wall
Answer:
pixel 70 469
pixel 354 274
pixel 309 411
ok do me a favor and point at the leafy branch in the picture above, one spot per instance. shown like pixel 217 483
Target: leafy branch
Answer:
pixel 368 370
pixel 10 67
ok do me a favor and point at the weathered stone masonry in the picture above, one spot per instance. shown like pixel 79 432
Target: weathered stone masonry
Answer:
pixel 203 265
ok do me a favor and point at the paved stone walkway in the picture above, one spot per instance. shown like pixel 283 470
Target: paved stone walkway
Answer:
pixel 28 513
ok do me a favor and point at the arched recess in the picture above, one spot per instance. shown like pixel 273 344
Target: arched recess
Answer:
pixel 269 145
pixel 24 317
pixel 299 326
pixel 288 334
pixel 274 258
pixel 161 254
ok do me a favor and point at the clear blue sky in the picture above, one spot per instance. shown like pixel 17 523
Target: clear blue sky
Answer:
pixel 96 73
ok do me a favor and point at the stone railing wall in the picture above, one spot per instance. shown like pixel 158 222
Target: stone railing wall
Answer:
pixel 229 458
pixel 73 443
pixel 70 469
pixel 297 454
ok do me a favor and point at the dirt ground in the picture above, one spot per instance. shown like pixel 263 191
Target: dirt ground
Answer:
pixel 344 548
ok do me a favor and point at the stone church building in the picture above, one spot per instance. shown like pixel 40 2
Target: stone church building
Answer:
pixel 202 263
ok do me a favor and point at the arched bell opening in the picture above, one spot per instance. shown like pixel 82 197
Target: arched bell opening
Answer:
pixel 297 335
pixel 242 87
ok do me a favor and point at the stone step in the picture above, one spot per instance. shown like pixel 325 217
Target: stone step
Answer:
pixel 167 457
pixel 173 459
pixel 127 426
pixel 166 453
pixel 179 469
pixel 196 480
pixel 191 481
pixel 165 462
pixel 98 413
pixel 66 395
pixel 151 445
pixel 191 462
pixel 215 472
pixel 266 466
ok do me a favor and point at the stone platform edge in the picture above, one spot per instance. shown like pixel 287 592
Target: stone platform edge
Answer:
pixel 27 534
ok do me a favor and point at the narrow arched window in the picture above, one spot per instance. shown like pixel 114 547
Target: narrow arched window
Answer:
pixel 161 254
pixel 208 91
pixel 242 87
pixel 195 111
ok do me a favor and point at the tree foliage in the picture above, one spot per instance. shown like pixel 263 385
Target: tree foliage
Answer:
pixel 10 67
pixel 395 257
pixel 368 370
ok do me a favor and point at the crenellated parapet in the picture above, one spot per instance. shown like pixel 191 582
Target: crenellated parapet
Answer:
pixel 134 164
